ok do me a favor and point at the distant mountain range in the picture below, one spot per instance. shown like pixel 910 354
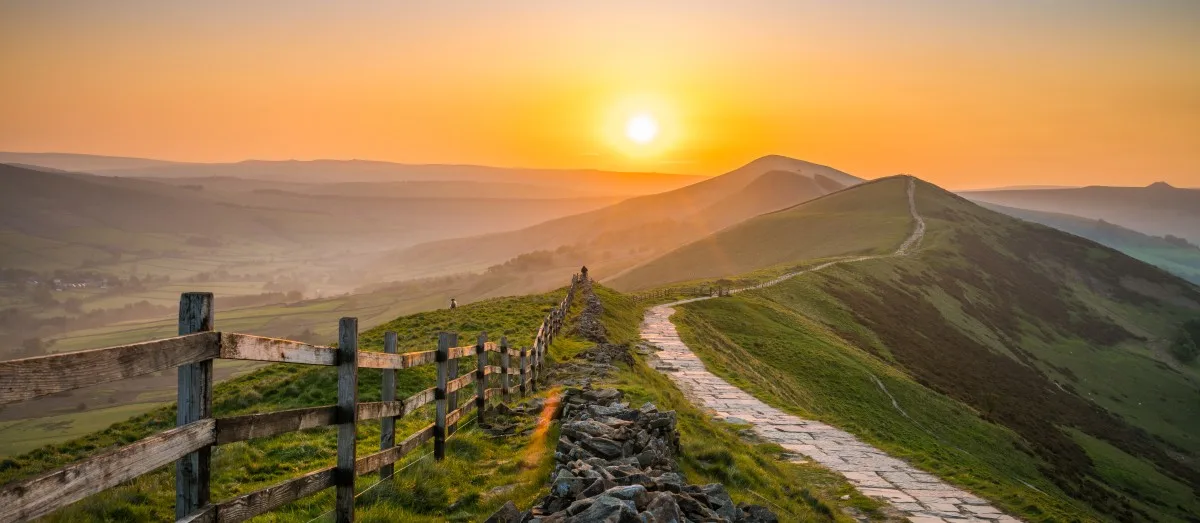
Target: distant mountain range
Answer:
pixel 578 181
pixel 1156 209
pixel 1175 254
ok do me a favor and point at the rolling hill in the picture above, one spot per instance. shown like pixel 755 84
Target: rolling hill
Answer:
pixel 870 218
pixel 1157 209
pixel 1023 363
pixel 639 228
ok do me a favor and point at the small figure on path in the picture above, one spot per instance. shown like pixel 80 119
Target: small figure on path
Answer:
pixel 453 304
pixel 583 272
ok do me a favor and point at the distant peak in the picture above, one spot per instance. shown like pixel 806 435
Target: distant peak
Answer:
pixel 777 160
pixel 1160 185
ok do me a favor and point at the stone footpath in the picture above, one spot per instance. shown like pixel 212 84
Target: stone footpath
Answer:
pixel 921 497
pixel 616 464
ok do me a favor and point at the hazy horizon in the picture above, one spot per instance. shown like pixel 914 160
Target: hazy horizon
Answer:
pixel 965 95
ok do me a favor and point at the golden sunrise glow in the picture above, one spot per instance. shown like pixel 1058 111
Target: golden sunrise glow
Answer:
pixel 960 93
pixel 641 128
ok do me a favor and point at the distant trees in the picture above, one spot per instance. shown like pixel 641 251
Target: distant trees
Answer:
pixel 1185 346
pixel 1179 242
pixel 42 296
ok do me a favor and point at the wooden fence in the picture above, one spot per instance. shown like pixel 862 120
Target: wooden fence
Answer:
pixel 682 292
pixel 190 444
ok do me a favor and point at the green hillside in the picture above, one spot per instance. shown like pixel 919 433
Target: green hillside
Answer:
pixel 871 218
pixel 481 471
pixel 70 414
pixel 1025 364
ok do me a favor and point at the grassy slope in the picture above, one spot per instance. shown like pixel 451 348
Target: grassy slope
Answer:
pixel 55 420
pixel 247 466
pixel 425 490
pixel 714 452
pixel 871 218
pixel 996 337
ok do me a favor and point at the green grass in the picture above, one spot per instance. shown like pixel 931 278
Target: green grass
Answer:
pixel 800 366
pixel 20 436
pixel 246 466
pixel 465 486
pixel 1135 478
pixel 715 452
pixel 994 339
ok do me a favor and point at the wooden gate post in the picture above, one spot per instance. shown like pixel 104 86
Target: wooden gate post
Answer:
pixel 521 362
pixel 481 361
pixel 387 425
pixel 439 395
pixel 505 391
pixel 194 404
pixel 347 417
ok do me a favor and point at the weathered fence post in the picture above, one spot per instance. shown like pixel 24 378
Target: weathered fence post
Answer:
pixel 347 417
pixel 481 361
pixel 521 368
pixel 534 355
pixel 439 395
pixel 194 404
pixel 452 368
pixel 387 425
pixel 505 391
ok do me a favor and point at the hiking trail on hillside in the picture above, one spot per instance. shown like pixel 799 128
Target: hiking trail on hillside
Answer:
pixel 921 497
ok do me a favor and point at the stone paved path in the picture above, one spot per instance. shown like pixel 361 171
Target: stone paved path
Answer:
pixel 921 497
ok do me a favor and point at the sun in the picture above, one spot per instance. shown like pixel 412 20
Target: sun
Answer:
pixel 641 128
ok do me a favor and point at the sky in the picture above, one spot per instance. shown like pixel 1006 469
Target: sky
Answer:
pixel 962 93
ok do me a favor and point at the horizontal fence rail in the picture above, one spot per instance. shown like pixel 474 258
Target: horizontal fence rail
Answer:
pixel 189 445
pixel 677 292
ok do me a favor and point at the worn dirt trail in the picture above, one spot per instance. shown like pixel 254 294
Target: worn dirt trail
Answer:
pixel 921 497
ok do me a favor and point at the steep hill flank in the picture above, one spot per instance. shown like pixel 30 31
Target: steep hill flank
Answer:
pixel 1024 363
pixel 633 230
pixel 871 218
pixel 1175 255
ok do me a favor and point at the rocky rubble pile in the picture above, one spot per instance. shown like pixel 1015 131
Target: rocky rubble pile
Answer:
pixel 589 325
pixel 597 362
pixel 615 464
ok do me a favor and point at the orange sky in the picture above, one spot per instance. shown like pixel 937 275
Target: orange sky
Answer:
pixel 963 93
